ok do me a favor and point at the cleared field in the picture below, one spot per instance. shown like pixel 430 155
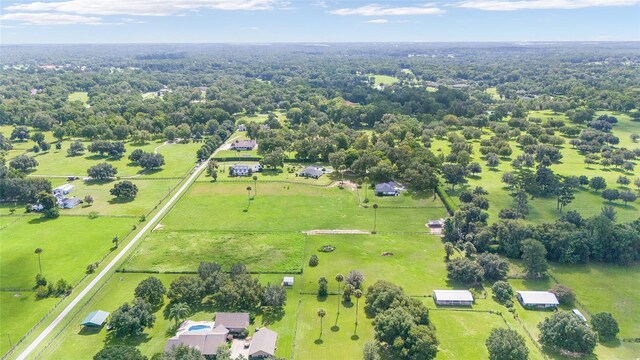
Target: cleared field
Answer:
pixel 81 96
pixel 462 333
pixel 70 243
pixel 183 250
pixel 416 264
pixel 494 93
pixel 304 207
pixel 19 311
pixel 340 339
pixel 384 79
pixel 76 343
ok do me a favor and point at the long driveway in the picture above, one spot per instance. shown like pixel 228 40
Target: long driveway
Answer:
pixel 113 262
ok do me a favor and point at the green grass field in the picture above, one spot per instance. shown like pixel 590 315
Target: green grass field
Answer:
pixel 76 343
pixel 494 93
pixel 184 250
pixel 19 311
pixel 462 333
pixel 384 79
pixel 81 96
pixel 587 202
pixel 305 208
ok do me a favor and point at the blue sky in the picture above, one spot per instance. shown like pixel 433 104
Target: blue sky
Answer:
pixel 202 21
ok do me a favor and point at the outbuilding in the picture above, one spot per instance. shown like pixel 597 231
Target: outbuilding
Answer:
pixel 537 299
pixel 95 318
pixel 63 189
pixel 287 281
pixel 453 297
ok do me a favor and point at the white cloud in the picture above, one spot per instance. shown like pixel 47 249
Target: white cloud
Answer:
pixel 141 7
pixel 378 21
pixel 378 10
pixel 51 19
pixel 506 5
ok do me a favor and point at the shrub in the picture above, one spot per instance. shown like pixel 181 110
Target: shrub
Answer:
pixel 93 215
pixel 313 261
pixel 605 325
pixel 502 291
pixel 327 248
pixel 564 294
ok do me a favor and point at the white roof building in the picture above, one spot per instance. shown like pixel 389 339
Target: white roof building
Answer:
pixel 453 297
pixel 287 281
pixel 539 299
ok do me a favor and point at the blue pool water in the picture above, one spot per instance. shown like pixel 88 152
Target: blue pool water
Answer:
pixel 199 327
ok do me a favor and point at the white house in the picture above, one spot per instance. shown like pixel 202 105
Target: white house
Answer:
pixel 537 299
pixel 242 127
pixel 63 189
pixel 244 170
pixel 453 297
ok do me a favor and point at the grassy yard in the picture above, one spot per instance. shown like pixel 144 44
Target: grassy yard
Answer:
pixel 462 333
pixel 179 159
pixel 384 79
pixel 70 243
pixel 77 343
pixel 167 250
pixel 494 93
pixel 19 311
pixel 305 208
pixel 81 96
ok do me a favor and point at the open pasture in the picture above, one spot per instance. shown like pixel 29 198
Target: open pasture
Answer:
pixel 304 207
pixel 165 250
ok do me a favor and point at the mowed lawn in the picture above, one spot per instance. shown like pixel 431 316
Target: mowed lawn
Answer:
pixel 81 96
pixel 462 334
pixel 384 79
pixel 287 207
pixel 417 263
pixel 19 311
pixel 69 244
pixel 76 343
pixel 167 250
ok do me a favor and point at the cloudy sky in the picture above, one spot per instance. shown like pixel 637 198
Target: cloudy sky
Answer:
pixel 198 21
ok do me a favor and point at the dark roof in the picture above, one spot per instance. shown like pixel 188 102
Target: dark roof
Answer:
pixel 386 187
pixel 232 320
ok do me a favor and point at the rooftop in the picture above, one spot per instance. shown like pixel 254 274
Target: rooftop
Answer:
pixel 538 297
pixel 264 340
pixel 453 295
pixel 95 318
pixel 232 320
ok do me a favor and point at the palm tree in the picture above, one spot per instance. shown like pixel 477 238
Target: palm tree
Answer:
pixel 375 217
pixel 321 314
pixel 255 185
pixel 339 279
pixel 38 252
pixel 342 169
pixel 357 294
pixel 179 311
pixel 248 196
pixel 115 240
pixel 365 183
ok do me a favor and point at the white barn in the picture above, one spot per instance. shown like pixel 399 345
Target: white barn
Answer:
pixel 453 297
pixel 537 299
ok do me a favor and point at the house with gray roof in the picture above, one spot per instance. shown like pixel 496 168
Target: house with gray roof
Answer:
pixel 240 145
pixel 201 335
pixel 235 322
pixel 387 189
pixel 263 344
pixel 311 172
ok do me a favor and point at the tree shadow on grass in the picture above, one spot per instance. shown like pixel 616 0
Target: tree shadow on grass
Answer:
pixel 272 315
pixel 112 339
pixel 318 342
pixel 88 331
pixel 117 200
pixel 611 343
pixel 149 171
pixel 39 220
pixel 335 328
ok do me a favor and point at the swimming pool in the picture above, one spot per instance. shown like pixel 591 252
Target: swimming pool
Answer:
pixel 199 327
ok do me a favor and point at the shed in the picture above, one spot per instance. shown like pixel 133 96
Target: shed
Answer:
pixel 263 343
pixel 287 281
pixel 436 223
pixel 95 318
pixel 538 299
pixel 453 297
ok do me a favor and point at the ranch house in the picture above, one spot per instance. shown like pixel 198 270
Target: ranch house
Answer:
pixel 246 145
pixel 453 297
pixel 537 299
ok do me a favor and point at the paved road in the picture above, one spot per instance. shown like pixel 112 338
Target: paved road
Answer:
pixel 112 263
